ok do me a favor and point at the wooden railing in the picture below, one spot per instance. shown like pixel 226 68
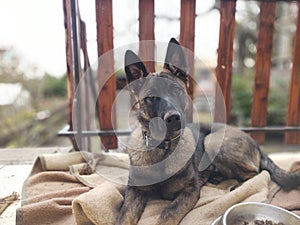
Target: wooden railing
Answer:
pixel 104 19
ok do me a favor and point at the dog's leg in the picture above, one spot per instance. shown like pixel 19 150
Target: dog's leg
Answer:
pixel 184 203
pixel 133 206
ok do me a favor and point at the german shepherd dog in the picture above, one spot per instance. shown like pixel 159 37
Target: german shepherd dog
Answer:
pixel 166 152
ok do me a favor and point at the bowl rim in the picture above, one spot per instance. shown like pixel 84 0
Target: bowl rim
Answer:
pixel 217 221
pixel 223 219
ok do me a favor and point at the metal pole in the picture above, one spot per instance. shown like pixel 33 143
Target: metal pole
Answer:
pixel 77 97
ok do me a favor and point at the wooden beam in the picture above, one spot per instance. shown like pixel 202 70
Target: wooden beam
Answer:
pixel 187 36
pixel 262 68
pixel 146 32
pixel 225 58
pixel 293 116
pixel 104 19
pixel 187 40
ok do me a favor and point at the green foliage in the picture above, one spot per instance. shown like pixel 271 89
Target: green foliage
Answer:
pixel 120 73
pixel 20 125
pixel 241 98
pixel 54 87
pixel 277 102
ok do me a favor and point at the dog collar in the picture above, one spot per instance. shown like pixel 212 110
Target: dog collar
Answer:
pixel 165 144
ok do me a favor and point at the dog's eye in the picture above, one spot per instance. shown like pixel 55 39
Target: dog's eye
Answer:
pixel 149 99
pixel 176 91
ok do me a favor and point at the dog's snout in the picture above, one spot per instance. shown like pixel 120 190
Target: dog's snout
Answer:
pixel 172 117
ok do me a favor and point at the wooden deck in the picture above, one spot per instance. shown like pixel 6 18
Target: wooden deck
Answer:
pixel 16 164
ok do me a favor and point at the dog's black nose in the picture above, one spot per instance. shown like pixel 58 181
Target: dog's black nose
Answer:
pixel 172 119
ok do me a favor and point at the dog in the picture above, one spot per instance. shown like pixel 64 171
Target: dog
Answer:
pixel 171 158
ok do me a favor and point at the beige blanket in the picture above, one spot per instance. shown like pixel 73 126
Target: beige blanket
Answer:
pixel 55 193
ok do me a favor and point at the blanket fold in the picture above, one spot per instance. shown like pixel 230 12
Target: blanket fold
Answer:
pixel 214 200
pixel 56 193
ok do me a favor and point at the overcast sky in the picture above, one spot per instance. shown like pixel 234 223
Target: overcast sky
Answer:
pixel 34 28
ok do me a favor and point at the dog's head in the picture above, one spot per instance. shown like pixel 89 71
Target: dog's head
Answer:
pixel 161 98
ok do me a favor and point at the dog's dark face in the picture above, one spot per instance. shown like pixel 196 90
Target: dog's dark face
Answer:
pixel 169 167
pixel 161 98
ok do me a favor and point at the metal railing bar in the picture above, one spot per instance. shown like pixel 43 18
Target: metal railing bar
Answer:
pixel 87 133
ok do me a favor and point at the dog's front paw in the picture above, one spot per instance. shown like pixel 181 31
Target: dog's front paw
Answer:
pixel 166 218
pixel 165 222
pixel 123 222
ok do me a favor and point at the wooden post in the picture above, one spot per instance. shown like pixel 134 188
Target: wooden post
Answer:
pixel 104 19
pixel 225 58
pixel 293 116
pixel 146 32
pixel 262 68
pixel 187 37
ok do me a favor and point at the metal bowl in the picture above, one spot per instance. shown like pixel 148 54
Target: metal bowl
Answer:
pixel 217 221
pixel 248 212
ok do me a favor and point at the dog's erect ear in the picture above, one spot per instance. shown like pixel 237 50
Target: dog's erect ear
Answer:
pixel 134 67
pixel 175 61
